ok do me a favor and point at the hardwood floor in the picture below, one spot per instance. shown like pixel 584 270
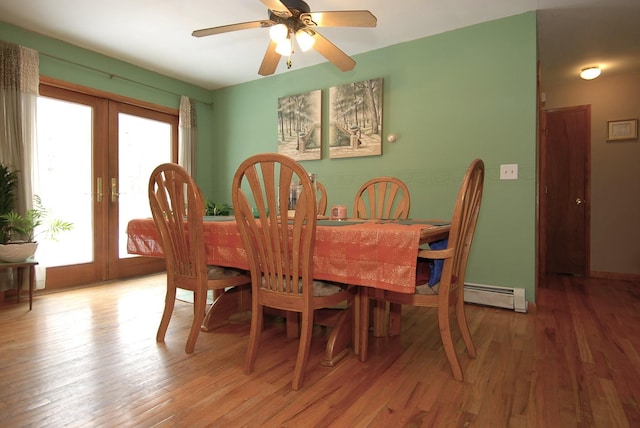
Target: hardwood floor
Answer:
pixel 88 357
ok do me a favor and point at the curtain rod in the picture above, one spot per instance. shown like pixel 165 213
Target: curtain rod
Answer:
pixel 113 75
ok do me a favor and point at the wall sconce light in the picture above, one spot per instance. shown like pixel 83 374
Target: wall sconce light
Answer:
pixel 590 73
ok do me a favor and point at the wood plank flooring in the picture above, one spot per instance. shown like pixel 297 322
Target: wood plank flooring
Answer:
pixel 88 357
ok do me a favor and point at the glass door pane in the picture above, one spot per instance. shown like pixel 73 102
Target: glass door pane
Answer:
pixel 64 150
pixel 139 140
pixel 143 144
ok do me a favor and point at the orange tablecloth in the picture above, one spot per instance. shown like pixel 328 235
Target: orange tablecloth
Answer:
pixel 374 254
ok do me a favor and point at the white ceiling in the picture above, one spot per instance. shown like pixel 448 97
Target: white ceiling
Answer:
pixel 156 34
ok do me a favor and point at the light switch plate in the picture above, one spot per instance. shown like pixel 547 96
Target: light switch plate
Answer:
pixel 509 171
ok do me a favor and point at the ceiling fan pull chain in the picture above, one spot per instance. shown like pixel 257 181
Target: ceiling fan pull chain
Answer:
pixel 288 63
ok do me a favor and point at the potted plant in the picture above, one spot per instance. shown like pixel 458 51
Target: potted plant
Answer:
pixel 8 181
pixel 19 242
pixel 214 208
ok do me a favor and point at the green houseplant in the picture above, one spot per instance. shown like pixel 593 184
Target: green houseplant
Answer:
pixel 19 242
pixel 216 208
pixel 18 232
pixel 8 181
pixel 22 228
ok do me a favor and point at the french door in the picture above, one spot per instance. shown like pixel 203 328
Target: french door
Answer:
pixel 94 157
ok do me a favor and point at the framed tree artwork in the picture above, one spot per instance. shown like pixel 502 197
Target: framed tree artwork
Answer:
pixel 299 125
pixel 355 119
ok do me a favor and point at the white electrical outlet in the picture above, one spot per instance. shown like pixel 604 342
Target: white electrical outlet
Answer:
pixel 509 171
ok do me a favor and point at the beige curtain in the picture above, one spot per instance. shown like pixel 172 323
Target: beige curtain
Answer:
pixel 187 135
pixel 19 80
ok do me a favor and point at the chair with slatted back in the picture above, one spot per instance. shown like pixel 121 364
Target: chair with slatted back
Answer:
pixel 449 292
pixel 280 250
pixel 382 198
pixel 322 198
pixel 177 207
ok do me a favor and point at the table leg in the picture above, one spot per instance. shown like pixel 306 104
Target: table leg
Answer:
pixel 362 323
pixel 32 281
pixel 386 318
pixel 357 309
pixel 231 302
pixel 379 309
pixel 19 284
pixel 340 338
pixel 395 316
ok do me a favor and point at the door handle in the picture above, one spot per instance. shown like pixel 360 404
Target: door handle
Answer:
pixel 99 193
pixel 580 201
pixel 114 190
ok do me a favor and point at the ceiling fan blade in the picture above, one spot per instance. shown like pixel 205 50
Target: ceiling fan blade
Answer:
pixel 277 8
pixel 232 27
pixel 347 18
pixel 270 60
pixel 331 52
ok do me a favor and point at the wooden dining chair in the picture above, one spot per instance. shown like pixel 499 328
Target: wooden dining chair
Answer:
pixel 450 289
pixel 280 251
pixel 322 198
pixel 177 208
pixel 382 198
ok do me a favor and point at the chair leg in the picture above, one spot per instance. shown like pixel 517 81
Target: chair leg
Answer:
pixel 293 324
pixel 199 308
pixel 169 302
pixel 257 318
pixel 303 350
pixel 464 329
pixel 447 342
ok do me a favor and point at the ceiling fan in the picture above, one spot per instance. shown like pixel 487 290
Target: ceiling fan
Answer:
pixel 289 19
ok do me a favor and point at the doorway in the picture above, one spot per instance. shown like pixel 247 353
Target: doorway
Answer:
pixel 95 156
pixel 564 191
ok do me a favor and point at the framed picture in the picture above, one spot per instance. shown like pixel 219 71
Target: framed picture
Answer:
pixel 355 119
pixel 299 125
pixel 622 130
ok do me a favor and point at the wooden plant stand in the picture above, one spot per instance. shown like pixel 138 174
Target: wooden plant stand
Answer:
pixel 21 267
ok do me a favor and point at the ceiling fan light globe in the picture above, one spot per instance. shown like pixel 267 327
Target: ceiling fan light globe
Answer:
pixel 278 32
pixel 305 40
pixel 284 47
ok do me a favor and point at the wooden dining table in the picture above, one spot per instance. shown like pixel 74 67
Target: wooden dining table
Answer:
pixel 358 252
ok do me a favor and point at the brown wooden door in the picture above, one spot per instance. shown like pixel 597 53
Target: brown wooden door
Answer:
pixel 139 140
pixel 97 155
pixel 564 190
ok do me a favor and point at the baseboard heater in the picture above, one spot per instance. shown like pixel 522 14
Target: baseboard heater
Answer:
pixel 501 297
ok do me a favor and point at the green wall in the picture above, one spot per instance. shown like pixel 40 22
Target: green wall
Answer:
pixel 449 98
